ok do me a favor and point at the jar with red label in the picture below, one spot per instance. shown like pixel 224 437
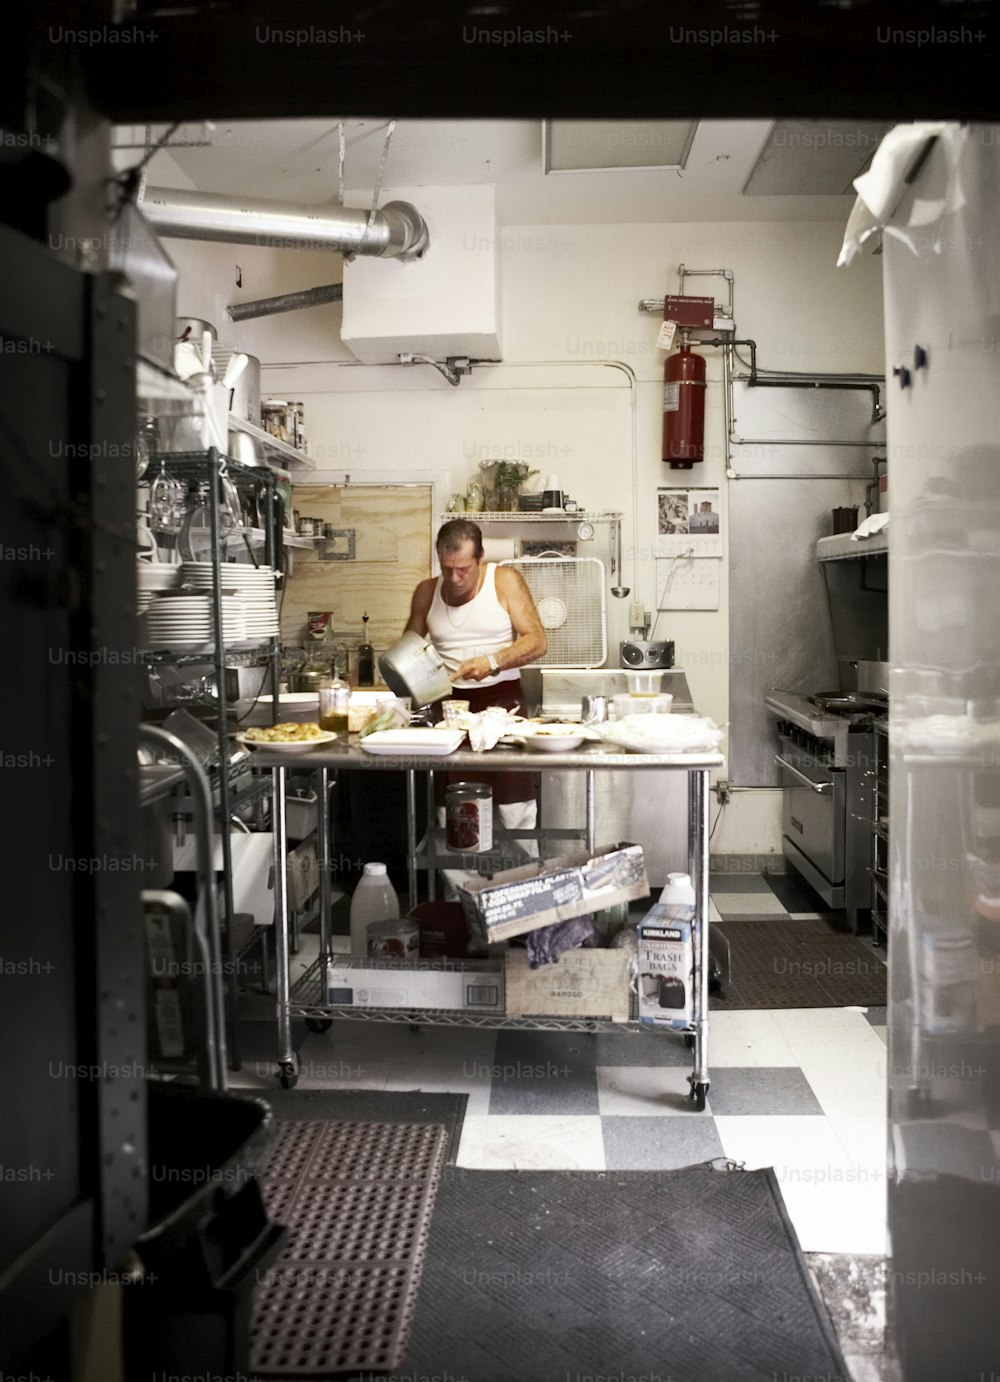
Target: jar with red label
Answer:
pixel 469 817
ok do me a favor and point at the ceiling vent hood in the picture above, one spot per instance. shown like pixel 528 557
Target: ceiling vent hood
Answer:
pixel 397 230
pixel 446 305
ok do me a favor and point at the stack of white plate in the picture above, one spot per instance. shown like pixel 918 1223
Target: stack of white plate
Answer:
pixel 181 620
pixel 152 577
pixel 254 587
pixel 157 575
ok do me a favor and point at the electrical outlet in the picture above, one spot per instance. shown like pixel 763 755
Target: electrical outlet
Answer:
pixel 723 792
pixel 636 614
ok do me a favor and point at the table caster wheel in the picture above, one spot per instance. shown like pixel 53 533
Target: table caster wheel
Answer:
pixel 689 1040
pixel 288 1073
pixel 698 1097
pixel 319 1024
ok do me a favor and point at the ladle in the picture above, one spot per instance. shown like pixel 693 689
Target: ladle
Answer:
pixel 618 591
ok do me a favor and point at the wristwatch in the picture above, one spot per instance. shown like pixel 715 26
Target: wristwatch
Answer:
pixel 494 665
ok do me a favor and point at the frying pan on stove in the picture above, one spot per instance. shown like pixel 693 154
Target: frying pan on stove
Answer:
pixel 856 702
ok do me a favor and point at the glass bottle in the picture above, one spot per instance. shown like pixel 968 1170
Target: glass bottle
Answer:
pixel 334 703
pixel 366 657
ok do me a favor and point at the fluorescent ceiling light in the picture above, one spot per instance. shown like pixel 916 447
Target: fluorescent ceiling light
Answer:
pixel 598 146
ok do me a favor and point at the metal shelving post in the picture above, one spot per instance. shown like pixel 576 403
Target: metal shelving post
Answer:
pixel 207 465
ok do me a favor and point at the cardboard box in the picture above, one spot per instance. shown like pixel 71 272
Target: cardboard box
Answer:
pixel 302 873
pixel 549 890
pixel 666 966
pixel 464 985
pixel 582 983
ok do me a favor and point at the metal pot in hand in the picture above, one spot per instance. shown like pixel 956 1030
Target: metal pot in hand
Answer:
pixel 413 667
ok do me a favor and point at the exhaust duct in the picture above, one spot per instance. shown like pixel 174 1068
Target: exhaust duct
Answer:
pixel 397 231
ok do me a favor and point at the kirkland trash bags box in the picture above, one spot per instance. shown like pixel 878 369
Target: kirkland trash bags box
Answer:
pixel 549 890
pixel 581 983
pixel 365 982
pixel 666 966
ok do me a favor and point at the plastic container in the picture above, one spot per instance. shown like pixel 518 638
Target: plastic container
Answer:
pixel 679 891
pixel 443 930
pixel 641 705
pixel 643 683
pixel 374 900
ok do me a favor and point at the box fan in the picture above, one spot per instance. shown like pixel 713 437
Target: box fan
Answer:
pixel 569 595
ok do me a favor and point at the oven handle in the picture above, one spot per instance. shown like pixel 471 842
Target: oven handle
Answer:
pixel 823 788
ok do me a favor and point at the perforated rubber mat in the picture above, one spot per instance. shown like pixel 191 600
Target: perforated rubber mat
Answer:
pixel 357 1198
pixel 798 963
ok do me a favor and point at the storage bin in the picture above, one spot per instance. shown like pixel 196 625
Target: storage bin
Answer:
pixel 301 814
pixel 209 1236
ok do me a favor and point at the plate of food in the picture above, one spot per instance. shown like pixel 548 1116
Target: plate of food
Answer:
pixel 289 737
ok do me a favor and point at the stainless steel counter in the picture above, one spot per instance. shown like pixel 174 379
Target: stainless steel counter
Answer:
pixel 690 770
pixel 588 757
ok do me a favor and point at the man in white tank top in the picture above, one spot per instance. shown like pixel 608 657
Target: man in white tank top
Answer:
pixel 479 616
pixel 482 620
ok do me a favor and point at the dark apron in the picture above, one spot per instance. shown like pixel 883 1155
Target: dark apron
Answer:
pixel 507 787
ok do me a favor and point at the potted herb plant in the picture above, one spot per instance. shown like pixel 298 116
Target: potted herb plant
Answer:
pixel 510 477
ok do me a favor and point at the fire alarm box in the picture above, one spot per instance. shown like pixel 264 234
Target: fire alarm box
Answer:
pixel 690 311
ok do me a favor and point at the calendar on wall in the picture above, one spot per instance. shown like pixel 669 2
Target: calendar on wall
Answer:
pixel 688 521
pixel 685 582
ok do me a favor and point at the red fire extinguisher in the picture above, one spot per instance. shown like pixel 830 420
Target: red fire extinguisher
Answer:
pixel 684 408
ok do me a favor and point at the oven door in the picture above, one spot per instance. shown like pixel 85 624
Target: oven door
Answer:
pixel 813 820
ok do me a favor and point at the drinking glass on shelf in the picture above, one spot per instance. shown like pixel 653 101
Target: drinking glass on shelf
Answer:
pixel 230 510
pixel 167 498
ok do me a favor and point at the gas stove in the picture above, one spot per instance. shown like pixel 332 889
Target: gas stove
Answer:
pixel 825 757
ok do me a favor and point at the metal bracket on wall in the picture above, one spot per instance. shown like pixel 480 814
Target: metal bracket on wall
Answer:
pixel 338 546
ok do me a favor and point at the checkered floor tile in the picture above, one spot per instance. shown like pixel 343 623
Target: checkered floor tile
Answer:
pixel 802 1090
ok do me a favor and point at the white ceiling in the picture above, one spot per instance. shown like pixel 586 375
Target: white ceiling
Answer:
pixel 297 160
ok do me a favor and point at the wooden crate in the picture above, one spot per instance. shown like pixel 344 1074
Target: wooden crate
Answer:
pixel 582 983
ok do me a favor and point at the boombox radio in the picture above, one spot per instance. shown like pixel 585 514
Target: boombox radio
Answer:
pixel 643 655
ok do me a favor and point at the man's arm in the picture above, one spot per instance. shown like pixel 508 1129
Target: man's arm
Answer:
pixel 420 606
pixel 530 643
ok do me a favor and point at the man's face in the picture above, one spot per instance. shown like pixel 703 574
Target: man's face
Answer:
pixel 460 571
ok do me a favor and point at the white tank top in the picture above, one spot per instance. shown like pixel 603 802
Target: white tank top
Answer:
pixel 475 629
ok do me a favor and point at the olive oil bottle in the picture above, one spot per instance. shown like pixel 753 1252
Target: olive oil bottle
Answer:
pixel 366 657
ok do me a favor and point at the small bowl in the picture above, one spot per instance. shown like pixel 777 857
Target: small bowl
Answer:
pixel 553 738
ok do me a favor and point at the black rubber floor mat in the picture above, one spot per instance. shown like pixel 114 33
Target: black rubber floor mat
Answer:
pixel 373 1106
pixel 357 1198
pixel 692 1275
pixel 806 963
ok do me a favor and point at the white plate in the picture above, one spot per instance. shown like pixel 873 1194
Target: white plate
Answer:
pixel 327 736
pixel 413 741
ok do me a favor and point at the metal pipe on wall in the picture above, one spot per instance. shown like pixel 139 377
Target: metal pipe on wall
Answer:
pixel 286 302
pixel 396 231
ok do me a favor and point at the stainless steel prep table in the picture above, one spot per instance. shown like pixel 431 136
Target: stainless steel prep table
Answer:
pixel 310 997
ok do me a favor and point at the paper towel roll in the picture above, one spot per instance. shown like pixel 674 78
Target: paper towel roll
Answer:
pixel 499 548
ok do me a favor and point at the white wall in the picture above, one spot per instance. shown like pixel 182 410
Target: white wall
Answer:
pixel 558 401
